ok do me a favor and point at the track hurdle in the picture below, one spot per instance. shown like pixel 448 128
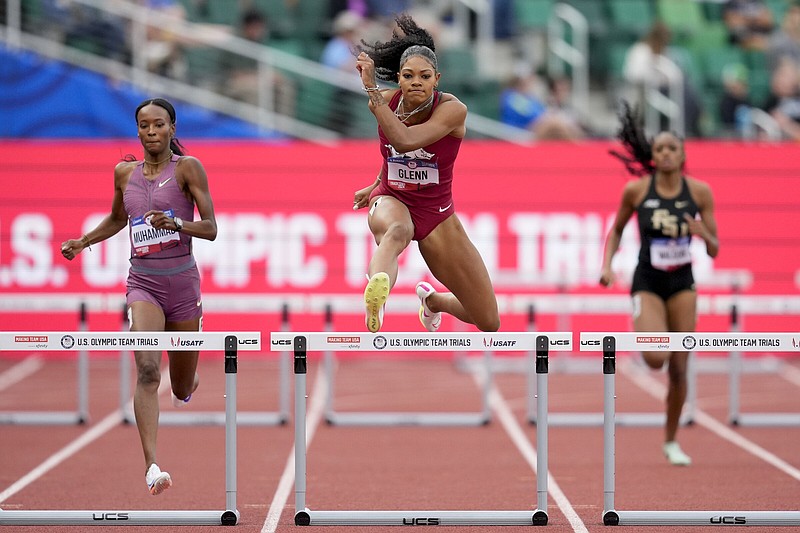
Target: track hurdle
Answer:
pixel 81 414
pixel 339 418
pixel 736 368
pixel 112 341
pixel 212 418
pixel 301 343
pixel 609 344
pixel 565 306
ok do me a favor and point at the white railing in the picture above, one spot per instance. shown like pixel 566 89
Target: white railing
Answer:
pixel 574 53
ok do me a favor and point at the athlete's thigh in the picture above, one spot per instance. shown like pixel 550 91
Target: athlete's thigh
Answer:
pixel 649 312
pixel 457 264
pixel 146 316
pixel 682 311
pixel 384 211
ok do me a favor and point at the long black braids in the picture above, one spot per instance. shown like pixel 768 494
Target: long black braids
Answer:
pixel 639 158
pixel 387 55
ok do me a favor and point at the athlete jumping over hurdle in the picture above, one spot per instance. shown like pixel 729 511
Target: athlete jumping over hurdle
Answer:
pixel 670 207
pixel 156 198
pixel 420 130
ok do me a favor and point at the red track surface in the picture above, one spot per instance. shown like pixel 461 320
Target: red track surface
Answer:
pixel 396 468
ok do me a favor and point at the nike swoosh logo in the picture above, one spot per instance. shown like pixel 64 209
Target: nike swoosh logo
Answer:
pixel 199 302
pixel 162 183
pixel 443 209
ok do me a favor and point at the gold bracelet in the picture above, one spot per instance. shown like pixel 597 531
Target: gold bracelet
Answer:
pixel 373 89
pixel 86 243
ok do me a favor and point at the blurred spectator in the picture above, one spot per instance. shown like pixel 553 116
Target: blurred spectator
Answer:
pixel 784 99
pixel 734 107
pixel 560 121
pixel 749 23
pixel 164 51
pixel 387 9
pixel 338 51
pixel 348 27
pixel 356 6
pixel 90 29
pixel 641 67
pixel 520 103
pixel 243 77
pixel 785 42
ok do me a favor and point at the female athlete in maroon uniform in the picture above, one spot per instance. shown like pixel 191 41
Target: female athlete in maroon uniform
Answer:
pixel 670 208
pixel 420 131
pixel 156 198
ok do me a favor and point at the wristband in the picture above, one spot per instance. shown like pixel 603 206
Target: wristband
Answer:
pixel 86 243
pixel 373 89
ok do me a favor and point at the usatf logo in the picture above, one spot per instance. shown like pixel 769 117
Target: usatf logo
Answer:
pixel 178 342
pixel 67 341
pixel 689 342
pixel 379 342
pixel 489 342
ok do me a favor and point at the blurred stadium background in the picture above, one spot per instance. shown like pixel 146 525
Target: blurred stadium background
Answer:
pixel 286 146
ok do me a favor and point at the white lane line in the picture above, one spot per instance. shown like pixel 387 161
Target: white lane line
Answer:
pixel 658 390
pixel 95 432
pixel 791 374
pixel 286 482
pixel 20 371
pixel 518 437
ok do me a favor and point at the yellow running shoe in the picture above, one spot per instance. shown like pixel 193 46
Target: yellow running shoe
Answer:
pixel 375 296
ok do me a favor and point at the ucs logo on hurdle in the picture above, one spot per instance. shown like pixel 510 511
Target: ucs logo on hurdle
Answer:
pixel 420 521
pixel 728 520
pixel 110 516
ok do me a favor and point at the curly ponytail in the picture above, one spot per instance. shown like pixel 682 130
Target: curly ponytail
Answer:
pixel 389 56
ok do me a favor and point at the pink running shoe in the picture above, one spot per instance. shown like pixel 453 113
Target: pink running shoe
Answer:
pixel 375 296
pixel 157 481
pixel 430 320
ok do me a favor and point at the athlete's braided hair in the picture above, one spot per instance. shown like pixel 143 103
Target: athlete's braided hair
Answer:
pixel 390 55
pixel 639 158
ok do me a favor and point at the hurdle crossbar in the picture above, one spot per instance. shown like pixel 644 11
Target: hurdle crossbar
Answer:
pixel 609 344
pixel 301 343
pixel 217 418
pixel 109 341
pixel 53 418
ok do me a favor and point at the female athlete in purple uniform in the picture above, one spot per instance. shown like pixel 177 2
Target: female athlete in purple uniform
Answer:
pixel 670 208
pixel 420 130
pixel 156 199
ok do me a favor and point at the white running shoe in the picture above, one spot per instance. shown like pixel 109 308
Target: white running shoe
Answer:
pixel 675 455
pixel 430 320
pixel 157 481
pixel 375 296
pixel 177 402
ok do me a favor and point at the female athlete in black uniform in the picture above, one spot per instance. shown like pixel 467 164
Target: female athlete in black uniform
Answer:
pixel 670 208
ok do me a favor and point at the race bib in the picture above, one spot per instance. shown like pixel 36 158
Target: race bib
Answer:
pixel 669 254
pixel 146 239
pixel 411 174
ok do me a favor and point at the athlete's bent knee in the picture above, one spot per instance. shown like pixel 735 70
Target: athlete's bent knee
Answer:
pixel 149 374
pixel 488 324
